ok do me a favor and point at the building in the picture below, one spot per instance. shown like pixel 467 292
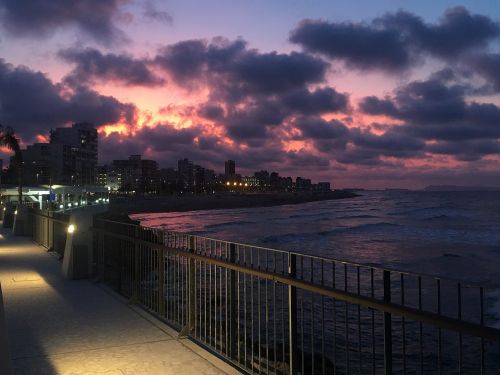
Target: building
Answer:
pixel 73 153
pixel 37 164
pixel 263 178
pixel 185 169
pixel 322 187
pixel 229 168
pixel 136 174
pixel 303 184
pixel 251 182
pixel 107 177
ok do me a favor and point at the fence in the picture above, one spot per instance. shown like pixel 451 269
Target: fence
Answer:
pixel 268 311
pixel 48 229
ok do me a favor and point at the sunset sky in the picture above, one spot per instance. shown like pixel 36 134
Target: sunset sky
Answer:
pixel 367 94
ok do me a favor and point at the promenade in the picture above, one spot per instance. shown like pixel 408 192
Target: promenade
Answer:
pixel 59 326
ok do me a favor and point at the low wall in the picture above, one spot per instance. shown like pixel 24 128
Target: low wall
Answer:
pixel 5 363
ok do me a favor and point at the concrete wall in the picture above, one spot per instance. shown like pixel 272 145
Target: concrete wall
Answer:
pixel 5 363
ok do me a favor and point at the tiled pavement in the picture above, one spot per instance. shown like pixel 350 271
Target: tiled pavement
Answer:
pixel 58 326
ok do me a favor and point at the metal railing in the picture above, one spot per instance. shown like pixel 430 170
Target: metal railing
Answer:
pixel 268 311
pixel 48 229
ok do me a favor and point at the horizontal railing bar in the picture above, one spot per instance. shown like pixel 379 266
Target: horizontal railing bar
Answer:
pixel 439 321
pixel 465 284
pixel 49 217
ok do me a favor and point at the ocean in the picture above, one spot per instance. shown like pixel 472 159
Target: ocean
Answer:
pixel 447 234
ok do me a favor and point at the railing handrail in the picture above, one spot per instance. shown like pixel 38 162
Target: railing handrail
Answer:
pixel 440 321
pixel 464 284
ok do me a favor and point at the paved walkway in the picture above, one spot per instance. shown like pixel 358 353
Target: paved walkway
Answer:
pixel 57 326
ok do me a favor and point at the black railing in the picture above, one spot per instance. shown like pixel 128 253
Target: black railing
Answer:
pixel 271 311
pixel 48 229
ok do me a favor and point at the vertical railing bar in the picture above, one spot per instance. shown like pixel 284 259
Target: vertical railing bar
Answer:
pixel 346 316
pixel 323 356
pixel 359 320
pixel 334 310
pixel 387 325
pixel 420 335
pixel 481 307
pixel 292 315
pixel 252 332
pixel 440 347
pixel 274 317
pixel 372 287
pixel 312 320
pixel 403 325
pixel 460 337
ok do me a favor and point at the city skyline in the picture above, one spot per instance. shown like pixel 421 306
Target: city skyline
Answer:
pixel 362 95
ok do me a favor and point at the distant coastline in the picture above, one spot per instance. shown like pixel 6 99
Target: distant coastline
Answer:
pixel 460 188
pixel 188 202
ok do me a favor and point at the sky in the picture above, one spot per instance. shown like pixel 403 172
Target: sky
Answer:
pixel 370 94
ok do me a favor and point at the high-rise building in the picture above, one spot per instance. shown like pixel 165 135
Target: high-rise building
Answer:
pixel 37 164
pixel 137 174
pixel 185 168
pixel 229 168
pixel 74 154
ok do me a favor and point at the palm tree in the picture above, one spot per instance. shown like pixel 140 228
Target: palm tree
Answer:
pixel 9 139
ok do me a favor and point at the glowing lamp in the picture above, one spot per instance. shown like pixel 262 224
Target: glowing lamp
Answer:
pixel 71 228
pixel 235 184
pixel 15 212
pixel 61 206
pixel 228 183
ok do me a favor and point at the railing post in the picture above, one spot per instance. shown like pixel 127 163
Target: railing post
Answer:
pixel 136 279
pixel 292 314
pixel 233 314
pixel 161 278
pixel 191 292
pixel 387 326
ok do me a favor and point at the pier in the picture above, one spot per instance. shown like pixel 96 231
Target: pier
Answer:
pixel 61 326
pixel 84 294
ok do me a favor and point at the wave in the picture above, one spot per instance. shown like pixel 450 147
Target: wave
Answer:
pixel 228 224
pixel 309 236
pixel 358 217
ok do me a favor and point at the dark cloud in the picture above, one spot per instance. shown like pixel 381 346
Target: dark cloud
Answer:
pixel 391 143
pixel 317 128
pixel 163 137
pixel 250 92
pixel 395 41
pixel 319 101
pixel 92 65
pixel 38 18
pixel 184 60
pixel 362 46
pixel 488 66
pixel 252 122
pixel 232 67
pixel 211 111
pixel 376 106
pixel 32 104
pixel 467 150
pixel 436 111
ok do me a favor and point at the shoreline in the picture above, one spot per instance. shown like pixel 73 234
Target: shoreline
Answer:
pixel 123 207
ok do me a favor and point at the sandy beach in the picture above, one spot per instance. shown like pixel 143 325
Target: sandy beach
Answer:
pixel 121 207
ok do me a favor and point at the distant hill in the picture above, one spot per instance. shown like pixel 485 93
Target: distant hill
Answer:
pixel 460 188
